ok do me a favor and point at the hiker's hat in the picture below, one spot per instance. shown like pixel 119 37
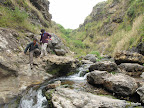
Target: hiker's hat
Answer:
pixel 42 30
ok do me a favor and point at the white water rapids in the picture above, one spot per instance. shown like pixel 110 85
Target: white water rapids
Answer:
pixel 33 99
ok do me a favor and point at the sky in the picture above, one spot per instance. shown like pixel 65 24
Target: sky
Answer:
pixel 71 13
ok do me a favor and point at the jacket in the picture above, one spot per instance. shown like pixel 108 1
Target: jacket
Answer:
pixel 31 47
pixel 44 37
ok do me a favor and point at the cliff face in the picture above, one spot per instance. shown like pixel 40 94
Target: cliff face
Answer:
pixel 111 26
pixel 43 7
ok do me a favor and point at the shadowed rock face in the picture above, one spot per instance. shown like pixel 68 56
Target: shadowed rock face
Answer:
pixel 139 48
pixel 119 83
pixel 43 6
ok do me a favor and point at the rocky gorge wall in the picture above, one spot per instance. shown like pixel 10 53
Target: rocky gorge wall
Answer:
pixel 112 26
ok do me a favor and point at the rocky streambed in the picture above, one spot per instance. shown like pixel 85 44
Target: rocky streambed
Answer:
pixel 101 84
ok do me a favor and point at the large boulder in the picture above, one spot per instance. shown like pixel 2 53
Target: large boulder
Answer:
pixel 121 84
pixel 59 65
pixel 132 69
pixel 128 57
pixel 104 66
pixel 90 57
pixel 57 46
pixel 96 77
pixel 60 52
pixel 68 98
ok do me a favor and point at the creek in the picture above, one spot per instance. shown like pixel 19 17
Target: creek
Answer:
pixel 34 96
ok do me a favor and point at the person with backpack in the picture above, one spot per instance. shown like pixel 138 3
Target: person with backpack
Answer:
pixel 32 47
pixel 44 40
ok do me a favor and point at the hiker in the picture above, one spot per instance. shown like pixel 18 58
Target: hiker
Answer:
pixel 44 40
pixel 32 47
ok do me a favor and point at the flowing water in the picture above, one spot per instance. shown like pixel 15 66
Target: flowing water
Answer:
pixel 34 98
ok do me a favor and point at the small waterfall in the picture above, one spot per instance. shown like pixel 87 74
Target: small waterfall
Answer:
pixel 33 99
pixel 80 76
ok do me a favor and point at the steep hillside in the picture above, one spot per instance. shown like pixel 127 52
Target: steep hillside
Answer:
pixel 112 25
pixel 25 15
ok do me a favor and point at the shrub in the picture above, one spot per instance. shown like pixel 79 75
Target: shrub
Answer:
pixel 66 32
pixel 96 53
pixel 19 16
pixel 131 11
pixel 7 2
pixel 78 44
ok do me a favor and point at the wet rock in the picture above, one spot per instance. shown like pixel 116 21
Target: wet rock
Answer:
pixel 53 85
pixel 121 84
pixel 60 52
pixel 128 57
pixel 140 91
pixel 83 70
pixel 132 69
pixel 90 57
pixel 64 97
pixel 104 66
pixel 96 77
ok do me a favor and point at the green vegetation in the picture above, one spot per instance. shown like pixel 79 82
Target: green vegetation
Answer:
pixel 11 18
pixel 107 37
pixel 48 95
pixel 99 35
pixel 16 19
pixel 97 55
pixel 113 73
pixel 66 32
pixel 16 15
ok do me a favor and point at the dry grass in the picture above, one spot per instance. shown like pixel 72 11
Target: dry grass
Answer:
pixel 125 39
